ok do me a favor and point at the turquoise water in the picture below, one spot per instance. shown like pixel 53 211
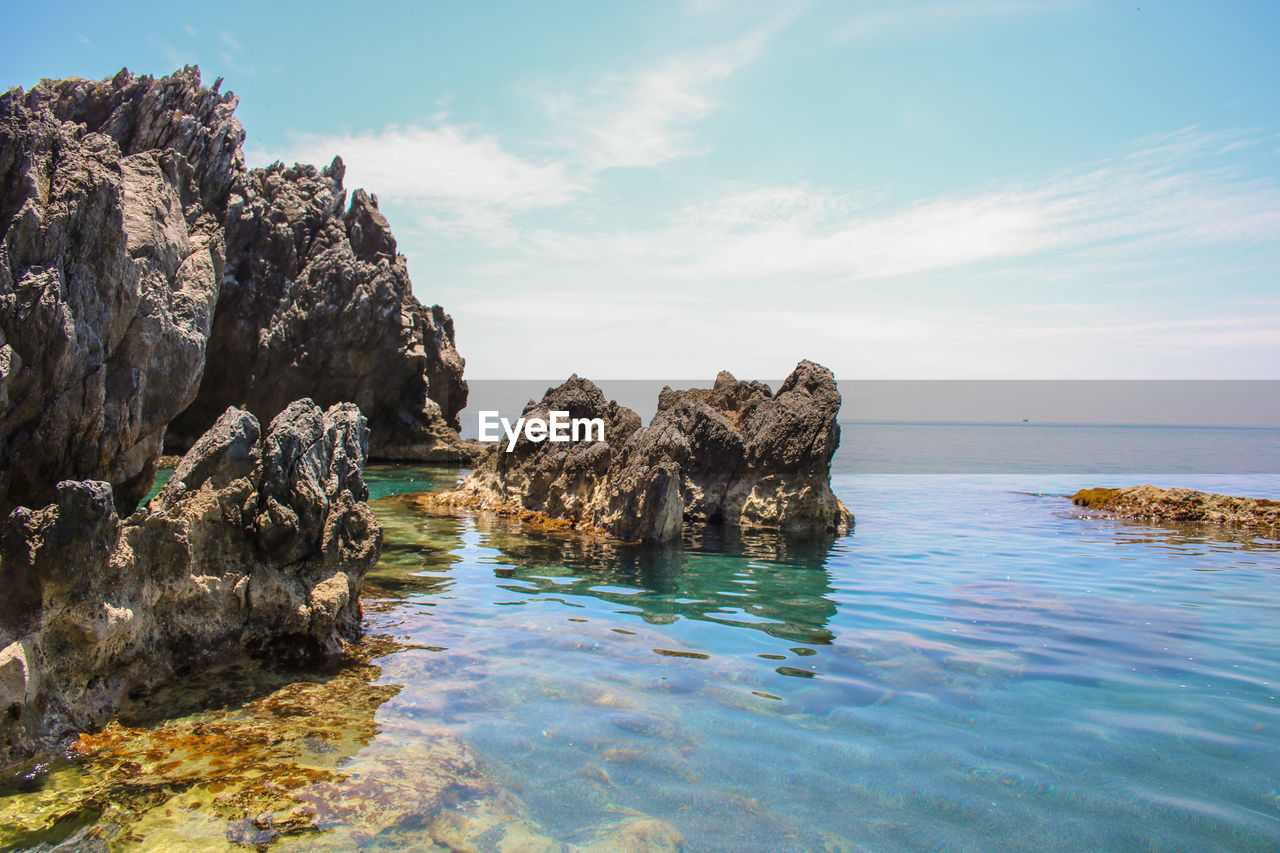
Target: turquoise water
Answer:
pixel 977 667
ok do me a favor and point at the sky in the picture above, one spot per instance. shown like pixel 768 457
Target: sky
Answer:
pixel 977 189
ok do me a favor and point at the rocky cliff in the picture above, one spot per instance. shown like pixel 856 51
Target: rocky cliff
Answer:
pixel 111 257
pixel 144 271
pixel 257 547
pixel 734 454
pixel 317 300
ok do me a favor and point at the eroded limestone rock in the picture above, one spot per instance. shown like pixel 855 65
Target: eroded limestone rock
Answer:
pixel 256 547
pixel 109 271
pixel 317 301
pixel 734 454
pixel 145 273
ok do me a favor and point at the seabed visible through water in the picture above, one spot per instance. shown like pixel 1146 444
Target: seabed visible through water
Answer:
pixel 975 668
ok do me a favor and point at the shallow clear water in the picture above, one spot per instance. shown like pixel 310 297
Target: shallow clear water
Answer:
pixel 975 668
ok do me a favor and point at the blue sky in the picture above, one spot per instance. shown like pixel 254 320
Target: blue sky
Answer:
pixel 939 189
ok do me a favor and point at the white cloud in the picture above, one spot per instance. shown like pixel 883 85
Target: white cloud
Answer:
pixel 1161 196
pixel 612 335
pixel 642 119
pixel 230 42
pixel 714 278
pixel 454 176
pixel 458 178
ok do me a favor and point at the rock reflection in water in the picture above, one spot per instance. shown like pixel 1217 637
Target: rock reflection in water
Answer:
pixel 760 580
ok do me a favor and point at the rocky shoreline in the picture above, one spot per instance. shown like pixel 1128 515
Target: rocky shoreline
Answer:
pixel 256 548
pixel 159 297
pixel 1153 504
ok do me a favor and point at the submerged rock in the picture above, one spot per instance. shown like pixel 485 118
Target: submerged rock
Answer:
pixel 146 274
pixel 256 547
pixel 1150 503
pixel 734 454
pixel 269 759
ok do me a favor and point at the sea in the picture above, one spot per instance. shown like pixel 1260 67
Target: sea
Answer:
pixel 978 666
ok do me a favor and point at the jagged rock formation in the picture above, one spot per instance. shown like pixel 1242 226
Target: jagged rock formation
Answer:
pixel 256 547
pixel 110 262
pixel 760 460
pixel 1152 504
pixel 316 300
pixel 126 217
pixel 734 454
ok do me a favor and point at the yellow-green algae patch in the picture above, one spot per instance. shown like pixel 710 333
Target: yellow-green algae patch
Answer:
pixel 305 765
pixel 1096 498
pixel 1153 504
pixel 216 778
pixel 534 521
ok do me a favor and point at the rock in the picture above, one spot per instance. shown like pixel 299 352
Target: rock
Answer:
pixel 761 460
pixel 227 452
pixel 1153 504
pixel 638 835
pixel 145 273
pixel 109 271
pixel 734 454
pixel 257 547
pixel 142 113
pixel 560 480
pixel 13 679
pixel 316 301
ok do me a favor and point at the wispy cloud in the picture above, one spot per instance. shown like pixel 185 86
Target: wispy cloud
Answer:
pixel 230 42
pixel 231 53
pixel 1122 340
pixel 460 178
pixel 454 176
pixel 643 118
pixel 1167 194
pixel 1168 206
pixel 1135 217
pixel 173 56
